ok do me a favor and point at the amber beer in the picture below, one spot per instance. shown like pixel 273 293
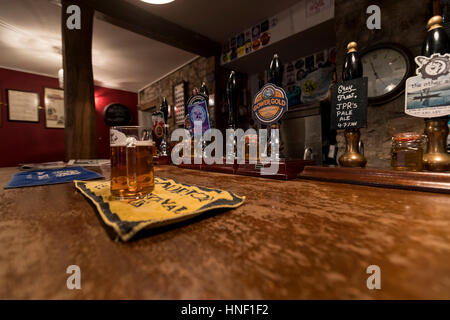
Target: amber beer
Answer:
pixel 132 171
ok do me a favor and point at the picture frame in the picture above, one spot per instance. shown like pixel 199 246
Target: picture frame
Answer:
pixel 179 98
pixel 1 108
pixel 23 106
pixel 54 108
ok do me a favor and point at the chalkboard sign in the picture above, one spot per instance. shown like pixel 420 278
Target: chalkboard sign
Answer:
pixel 117 114
pixel 349 104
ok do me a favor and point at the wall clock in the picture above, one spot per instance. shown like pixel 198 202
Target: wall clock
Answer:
pixel 116 114
pixel 387 66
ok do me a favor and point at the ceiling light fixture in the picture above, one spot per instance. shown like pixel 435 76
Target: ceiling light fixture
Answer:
pixel 158 1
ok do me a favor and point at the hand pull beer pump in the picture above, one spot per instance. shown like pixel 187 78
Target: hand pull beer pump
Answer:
pixel 232 115
pixel 275 77
pixel 163 147
pixel 232 100
pixel 436 157
pixel 352 70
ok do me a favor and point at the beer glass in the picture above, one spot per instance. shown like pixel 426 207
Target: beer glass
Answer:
pixel 131 162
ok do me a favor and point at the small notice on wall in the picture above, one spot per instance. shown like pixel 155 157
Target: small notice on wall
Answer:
pixel 54 108
pixel 349 104
pixel 428 93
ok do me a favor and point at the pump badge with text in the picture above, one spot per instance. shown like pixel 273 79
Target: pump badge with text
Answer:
pixel 270 104
pixel 428 93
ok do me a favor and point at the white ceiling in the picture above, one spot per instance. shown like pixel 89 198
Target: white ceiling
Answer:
pixel 30 40
pixel 217 19
pixel 30 37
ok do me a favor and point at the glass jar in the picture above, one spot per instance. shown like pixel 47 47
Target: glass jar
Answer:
pixel 407 151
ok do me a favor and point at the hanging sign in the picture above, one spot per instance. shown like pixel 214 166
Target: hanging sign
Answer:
pixel 269 104
pixel 427 95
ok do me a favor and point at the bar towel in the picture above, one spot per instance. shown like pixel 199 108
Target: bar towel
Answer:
pixel 170 202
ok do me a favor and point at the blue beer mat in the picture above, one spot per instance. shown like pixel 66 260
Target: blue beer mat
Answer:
pixel 50 176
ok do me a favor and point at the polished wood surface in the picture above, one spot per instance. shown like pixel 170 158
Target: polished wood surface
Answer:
pixel 291 240
pixel 420 181
pixel 80 133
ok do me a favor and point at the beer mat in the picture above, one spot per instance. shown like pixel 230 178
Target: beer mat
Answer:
pixel 170 202
pixel 50 176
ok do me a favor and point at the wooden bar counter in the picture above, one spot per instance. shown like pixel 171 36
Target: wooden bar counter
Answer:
pixel 296 239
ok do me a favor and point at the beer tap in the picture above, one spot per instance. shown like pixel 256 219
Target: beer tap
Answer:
pixel 163 148
pixel 276 71
pixel 436 157
pixel 232 115
pixel 204 89
pixel 275 77
pixel 352 70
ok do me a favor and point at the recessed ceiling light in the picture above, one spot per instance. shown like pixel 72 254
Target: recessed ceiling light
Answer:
pixel 158 1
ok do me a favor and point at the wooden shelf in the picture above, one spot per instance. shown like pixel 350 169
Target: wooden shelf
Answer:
pixel 387 178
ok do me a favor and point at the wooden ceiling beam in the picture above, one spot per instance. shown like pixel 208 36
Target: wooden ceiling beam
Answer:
pixel 128 16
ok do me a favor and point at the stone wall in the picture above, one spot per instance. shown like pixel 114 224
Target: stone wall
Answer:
pixel 402 22
pixel 198 71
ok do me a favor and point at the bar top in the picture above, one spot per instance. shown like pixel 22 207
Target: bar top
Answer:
pixel 294 239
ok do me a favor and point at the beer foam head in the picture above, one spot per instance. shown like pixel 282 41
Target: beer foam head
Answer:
pixel 120 139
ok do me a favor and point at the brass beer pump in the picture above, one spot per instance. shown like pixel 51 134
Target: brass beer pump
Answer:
pixel 436 157
pixel 352 70
pixel 275 77
pixel 232 116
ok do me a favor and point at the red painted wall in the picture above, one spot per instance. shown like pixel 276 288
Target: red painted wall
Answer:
pixel 26 142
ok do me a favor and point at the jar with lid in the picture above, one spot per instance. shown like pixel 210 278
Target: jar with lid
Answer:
pixel 407 151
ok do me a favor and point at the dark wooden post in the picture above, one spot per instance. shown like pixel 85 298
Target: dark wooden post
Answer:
pixel 79 104
pixel 436 8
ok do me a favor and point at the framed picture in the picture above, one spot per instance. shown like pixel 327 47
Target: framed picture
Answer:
pixel 23 105
pixel 1 107
pixel 54 108
pixel 179 95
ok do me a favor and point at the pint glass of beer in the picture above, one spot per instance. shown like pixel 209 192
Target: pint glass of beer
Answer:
pixel 131 162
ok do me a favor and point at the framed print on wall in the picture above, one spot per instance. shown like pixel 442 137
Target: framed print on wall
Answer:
pixel 23 106
pixel 54 108
pixel 179 94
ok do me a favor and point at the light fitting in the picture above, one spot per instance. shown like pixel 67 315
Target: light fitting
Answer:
pixel 158 1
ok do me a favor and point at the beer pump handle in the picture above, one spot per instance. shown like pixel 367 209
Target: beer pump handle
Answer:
pixel 165 109
pixel 436 158
pixel 232 99
pixel 276 71
pixel 352 63
pixel 204 89
pixel 436 40
pixel 352 70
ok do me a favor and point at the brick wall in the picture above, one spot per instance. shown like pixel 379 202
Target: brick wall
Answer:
pixel 198 71
pixel 402 22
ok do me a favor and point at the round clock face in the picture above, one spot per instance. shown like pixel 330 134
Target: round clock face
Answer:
pixel 386 69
